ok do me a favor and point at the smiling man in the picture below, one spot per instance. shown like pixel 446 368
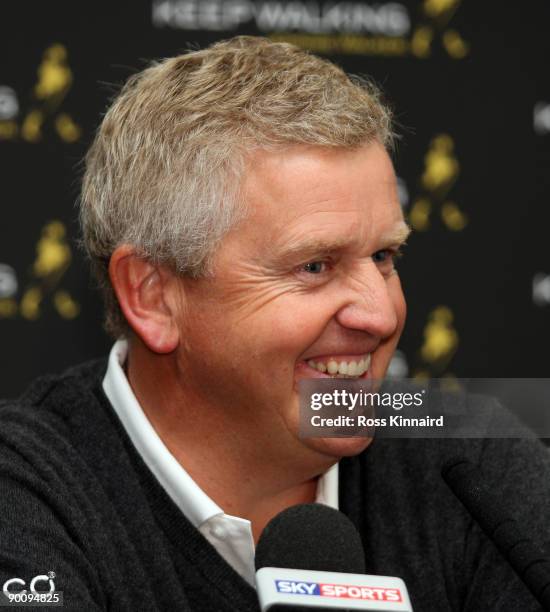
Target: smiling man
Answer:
pixel 317 284
pixel 240 211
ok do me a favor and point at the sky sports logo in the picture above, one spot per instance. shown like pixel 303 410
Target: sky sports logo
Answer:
pixel 347 591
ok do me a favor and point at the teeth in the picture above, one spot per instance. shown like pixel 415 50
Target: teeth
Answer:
pixel 344 368
pixel 367 362
pixel 332 367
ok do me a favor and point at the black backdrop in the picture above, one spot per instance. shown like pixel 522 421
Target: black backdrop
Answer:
pixel 470 86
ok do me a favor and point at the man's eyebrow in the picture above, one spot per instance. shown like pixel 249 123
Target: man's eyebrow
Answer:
pixel 397 235
pixel 312 247
pixel 322 246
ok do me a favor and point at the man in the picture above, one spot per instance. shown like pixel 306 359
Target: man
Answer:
pixel 240 211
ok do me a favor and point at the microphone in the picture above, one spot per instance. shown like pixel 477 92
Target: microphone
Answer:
pixel 310 557
pixel 530 563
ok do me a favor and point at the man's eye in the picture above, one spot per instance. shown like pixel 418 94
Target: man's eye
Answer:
pixel 381 256
pixel 386 257
pixel 314 267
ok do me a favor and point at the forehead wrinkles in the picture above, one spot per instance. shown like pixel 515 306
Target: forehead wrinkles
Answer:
pixel 293 195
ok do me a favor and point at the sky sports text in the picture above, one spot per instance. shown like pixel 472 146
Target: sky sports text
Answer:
pixel 293 587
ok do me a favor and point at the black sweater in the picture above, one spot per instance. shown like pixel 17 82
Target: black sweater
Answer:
pixel 76 499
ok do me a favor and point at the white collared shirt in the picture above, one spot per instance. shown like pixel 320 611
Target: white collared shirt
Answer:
pixel 230 535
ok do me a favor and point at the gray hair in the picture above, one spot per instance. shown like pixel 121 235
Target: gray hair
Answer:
pixel 164 170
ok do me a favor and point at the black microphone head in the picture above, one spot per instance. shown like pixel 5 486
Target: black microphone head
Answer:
pixel 457 469
pixel 482 500
pixel 311 537
pixel 468 483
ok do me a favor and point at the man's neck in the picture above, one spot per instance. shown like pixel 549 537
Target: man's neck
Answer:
pixel 234 470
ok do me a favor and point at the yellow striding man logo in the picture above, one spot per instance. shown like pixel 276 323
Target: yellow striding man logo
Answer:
pixel 53 257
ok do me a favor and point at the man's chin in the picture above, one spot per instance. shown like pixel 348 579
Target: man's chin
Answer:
pixel 339 447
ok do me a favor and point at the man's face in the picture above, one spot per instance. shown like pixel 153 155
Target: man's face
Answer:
pixel 304 283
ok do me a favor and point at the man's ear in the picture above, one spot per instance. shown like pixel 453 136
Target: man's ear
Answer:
pixel 146 295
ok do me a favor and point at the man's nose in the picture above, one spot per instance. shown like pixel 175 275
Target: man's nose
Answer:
pixel 370 307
